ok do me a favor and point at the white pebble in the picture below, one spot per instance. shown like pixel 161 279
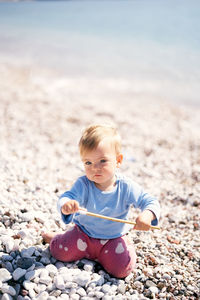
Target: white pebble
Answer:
pixel 63 296
pixel 28 285
pixel 106 297
pixel 190 288
pixel 88 265
pixel 99 295
pixel 162 295
pixel 51 269
pixel 66 276
pixel 8 289
pixel 98 279
pixel 22 233
pixel 166 276
pixel 81 292
pixel 178 277
pixel 44 277
pixel 32 293
pixel 105 288
pixel 9 246
pixel 28 216
pixel 138 284
pixel 148 271
pixel 120 297
pixel 128 278
pixel 46 280
pixel 4 275
pixel 39 288
pixel 43 296
pixel 153 289
pixel 6 297
pixel 113 287
pixel 122 288
pixel 59 282
pixel 74 297
pixel 83 278
pixel 70 285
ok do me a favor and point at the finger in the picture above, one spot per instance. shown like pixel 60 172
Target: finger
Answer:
pixel 143 227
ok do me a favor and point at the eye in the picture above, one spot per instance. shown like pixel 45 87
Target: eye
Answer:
pixel 87 163
pixel 103 161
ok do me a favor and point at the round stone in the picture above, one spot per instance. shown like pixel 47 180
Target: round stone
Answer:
pixel 25 262
pixel 4 275
pixel 153 289
pixel 18 273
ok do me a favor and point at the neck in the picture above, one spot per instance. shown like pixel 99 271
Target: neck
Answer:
pixel 108 186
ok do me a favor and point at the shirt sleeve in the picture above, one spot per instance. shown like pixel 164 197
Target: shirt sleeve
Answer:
pixel 78 192
pixel 144 201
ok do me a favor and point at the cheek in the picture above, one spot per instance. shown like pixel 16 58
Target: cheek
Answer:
pixel 87 171
pixel 109 169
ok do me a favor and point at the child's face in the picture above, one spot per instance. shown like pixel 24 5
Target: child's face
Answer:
pixel 100 165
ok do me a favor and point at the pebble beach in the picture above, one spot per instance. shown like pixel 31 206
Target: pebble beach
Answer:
pixel 42 115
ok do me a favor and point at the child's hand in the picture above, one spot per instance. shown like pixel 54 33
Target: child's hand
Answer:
pixel 70 207
pixel 143 221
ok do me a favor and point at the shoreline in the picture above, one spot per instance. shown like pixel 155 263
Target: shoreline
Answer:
pixel 42 116
pixel 127 87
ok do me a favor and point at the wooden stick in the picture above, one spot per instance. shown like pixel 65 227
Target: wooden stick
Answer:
pixel 110 218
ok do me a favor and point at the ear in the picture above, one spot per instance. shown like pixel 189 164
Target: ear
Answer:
pixel 119 159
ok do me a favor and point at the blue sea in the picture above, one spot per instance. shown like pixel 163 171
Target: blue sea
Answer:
pixel 154 44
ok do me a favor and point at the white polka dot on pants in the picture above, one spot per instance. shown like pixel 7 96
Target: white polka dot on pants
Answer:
pixel 81 245
pixel 119 249
pixel 60 246
pixel 103 242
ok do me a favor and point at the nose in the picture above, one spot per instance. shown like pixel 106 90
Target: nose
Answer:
pixel 97 166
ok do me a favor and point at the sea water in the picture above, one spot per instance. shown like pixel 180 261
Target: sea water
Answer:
pixel 153 45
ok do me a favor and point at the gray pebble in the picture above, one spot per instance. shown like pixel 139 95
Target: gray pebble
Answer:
pixel 7 258
pixel 9 266
pixel 25 262
pixel 18 273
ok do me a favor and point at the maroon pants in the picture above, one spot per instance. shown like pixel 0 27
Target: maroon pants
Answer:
pixel 117 256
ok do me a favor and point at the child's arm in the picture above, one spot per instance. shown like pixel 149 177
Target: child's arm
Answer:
pixel 67 205
pixel 144 219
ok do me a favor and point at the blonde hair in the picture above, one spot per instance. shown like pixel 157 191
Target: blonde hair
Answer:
pixel 95 133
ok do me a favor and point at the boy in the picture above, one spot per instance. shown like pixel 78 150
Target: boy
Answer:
pixel 103 191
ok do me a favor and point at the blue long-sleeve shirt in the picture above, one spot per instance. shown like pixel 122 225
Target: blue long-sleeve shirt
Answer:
pixel 115 203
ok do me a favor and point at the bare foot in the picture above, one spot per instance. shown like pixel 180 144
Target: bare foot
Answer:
pixel 47 236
